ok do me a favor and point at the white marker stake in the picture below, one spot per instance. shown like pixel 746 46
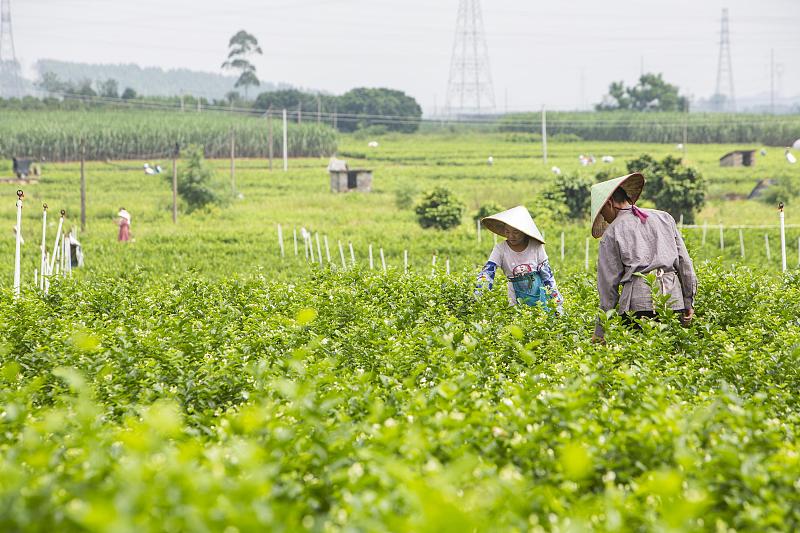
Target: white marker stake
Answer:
pixel 280 239
pixel 721 237
pixel 447 266
pixel 341 254
pixel 433 265
pixel 352 255
pixel 383 261
pixel 68 255
pixel 17 267
pixel 562 245
pixel 35 277
pixel 586 259
pixel 478 224
pixel 311 247
pixel 405 257
pixel 741 243
pixel 327 250
pixel 680 221
pixel 319 249
pixel 43 261
pixel 295 242
pixel 371 265
pixel 55 245
pixel 783 240
pixel 766 244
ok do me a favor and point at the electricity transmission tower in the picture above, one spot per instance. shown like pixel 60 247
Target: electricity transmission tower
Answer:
pixel 10 84
pixel 724 95
pixel 469 87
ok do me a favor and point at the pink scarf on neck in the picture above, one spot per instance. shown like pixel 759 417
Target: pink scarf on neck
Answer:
pixel 639 213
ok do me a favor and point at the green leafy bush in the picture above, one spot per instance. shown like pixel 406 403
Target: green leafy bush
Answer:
pixel 677 189
pixel 574 191
pixel 195 180
pixel 439 209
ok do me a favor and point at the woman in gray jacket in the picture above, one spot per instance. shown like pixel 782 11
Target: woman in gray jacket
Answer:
pixel 638 241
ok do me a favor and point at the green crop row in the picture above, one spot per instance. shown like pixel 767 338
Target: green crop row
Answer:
pixel 147 134
pixel 360 402
pixel 771 130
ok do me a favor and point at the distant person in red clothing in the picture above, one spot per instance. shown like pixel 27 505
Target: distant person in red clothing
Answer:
pixel 124 223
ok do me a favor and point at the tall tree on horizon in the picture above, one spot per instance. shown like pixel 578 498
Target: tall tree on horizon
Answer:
pixel 241 46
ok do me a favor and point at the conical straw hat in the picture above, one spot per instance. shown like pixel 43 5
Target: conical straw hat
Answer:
pixel 601 192
pixel 518 218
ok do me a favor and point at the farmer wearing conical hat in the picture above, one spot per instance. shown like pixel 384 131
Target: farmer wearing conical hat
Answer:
pixel 522 259
pixel 638 241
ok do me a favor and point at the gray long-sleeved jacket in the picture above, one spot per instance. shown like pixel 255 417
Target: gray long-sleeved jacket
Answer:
pixel 630 246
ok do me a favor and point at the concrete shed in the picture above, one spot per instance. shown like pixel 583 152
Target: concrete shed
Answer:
pixel 344 179
pixel 738 158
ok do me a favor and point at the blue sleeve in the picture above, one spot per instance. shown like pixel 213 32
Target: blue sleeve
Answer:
pixel 549 281
pixel 486 277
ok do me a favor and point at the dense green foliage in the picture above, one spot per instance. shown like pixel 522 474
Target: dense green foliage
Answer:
pixel 440 209
pixel 486 210
pixel 674 128
pixel 364 107
pixel 575 192
pixel 651 93
pixel 195 179
pixel 673 187
pixel 394 402
pixel 147 134
pixel 195 380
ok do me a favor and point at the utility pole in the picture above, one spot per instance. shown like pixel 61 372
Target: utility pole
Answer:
pixel 233 163
pixel 175 154
pixel 544 134
pixel 269 135
pixel 300 113
pixel 285 147
pixel 319 109
pixel 772 81
pixel 83 185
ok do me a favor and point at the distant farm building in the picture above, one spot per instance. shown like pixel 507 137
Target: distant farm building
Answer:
pixel 344 179
pixel 738 158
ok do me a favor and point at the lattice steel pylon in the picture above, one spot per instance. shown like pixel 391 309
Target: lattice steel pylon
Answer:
pixel 10 82
pixel 469 87
pixel 725 69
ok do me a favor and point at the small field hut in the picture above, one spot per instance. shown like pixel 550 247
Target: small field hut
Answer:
pixel 345 179
pixel 738 158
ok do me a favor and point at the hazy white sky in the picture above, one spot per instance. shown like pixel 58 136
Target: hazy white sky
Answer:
pixel 539 50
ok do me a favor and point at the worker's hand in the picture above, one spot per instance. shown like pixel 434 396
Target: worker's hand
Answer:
pixel 598 339
pixel 687 317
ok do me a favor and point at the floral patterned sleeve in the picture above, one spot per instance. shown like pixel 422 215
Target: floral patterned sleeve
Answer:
pixel 549 281
pixel 486 277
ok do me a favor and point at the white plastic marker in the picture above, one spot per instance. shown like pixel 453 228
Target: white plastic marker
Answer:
pixel 311 248
pixel 433 265
pixel 371 265
pixel 766 244
pixel 55 245
pixel 43 261
pixel 319 249
pixel 741 242
pixel 721 237
pixel 341 254
pixel 352 255
pixel 405 257
pixel 783 238
pixel 35 277
pixel 586 259
pixel 478 224
pixel 280 239
pixel 295 242
pixel 20 196
pixel 383 261
pixel 327 250
pixel 447 266
pixel 562 245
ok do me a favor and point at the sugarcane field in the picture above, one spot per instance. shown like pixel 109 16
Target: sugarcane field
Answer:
pixel 235 303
